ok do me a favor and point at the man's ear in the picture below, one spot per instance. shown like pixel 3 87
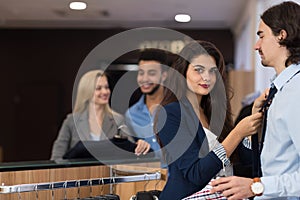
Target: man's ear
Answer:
pixel 164 76
pixel 282 35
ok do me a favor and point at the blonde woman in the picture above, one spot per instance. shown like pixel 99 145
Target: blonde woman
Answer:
pixel 92 117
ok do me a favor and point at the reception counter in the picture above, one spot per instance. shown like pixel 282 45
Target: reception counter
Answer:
pixel 91 178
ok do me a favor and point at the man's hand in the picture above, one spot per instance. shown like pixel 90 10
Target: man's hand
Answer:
pixel 142 147
pixel 233 187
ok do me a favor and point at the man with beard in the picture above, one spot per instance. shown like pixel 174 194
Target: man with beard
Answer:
pixel 152 72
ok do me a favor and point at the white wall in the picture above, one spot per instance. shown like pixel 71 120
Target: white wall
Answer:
pixel 243 32
pixel 246 59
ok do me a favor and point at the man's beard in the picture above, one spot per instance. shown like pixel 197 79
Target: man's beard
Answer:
pixel 264 64
pixel 153 90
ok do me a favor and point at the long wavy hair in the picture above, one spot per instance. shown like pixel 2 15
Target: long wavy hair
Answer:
pixel 176 86
pixel 286 16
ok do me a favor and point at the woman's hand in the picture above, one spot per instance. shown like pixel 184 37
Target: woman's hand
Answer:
pixel 249 125
pixel 142 147
pixel 259 101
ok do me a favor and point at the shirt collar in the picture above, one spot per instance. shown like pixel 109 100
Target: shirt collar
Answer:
pixel 141 102
pixel 286 75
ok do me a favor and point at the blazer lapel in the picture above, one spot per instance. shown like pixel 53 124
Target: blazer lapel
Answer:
pixel 82 126
pixel 195 127
pixel 109 127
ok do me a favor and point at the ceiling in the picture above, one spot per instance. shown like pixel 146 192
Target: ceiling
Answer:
pixel 206 14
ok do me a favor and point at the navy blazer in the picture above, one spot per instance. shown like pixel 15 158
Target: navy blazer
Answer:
pixel 191 166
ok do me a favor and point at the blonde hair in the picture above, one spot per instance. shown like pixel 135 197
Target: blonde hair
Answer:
pixel 86 89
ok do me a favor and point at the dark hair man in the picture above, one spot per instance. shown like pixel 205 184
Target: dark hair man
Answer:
pixel 279 47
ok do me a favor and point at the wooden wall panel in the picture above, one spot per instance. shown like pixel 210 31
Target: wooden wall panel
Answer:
pixel 242 83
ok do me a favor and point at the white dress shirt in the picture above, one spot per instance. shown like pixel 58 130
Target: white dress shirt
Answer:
pixel 280 156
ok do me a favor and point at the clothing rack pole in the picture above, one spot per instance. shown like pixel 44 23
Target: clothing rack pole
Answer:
pixel 77 183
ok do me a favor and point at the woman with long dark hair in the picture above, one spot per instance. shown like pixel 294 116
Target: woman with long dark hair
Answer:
pixel 194 126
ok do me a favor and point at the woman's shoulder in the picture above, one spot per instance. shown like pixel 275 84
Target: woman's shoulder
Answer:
pixel 173 105
pixel 170 109
pixel 69 120
pixel 117 115
pixel 74 117
pixel 70 117
pixel 77 115
pixel 179 108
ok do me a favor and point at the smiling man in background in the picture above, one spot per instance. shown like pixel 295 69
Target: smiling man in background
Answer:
pixel 152 72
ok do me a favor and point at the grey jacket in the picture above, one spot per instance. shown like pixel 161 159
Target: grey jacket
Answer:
pixel 76 127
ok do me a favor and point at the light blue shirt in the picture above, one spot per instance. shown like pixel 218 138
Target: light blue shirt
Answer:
pixel 140 122
pixel 280 156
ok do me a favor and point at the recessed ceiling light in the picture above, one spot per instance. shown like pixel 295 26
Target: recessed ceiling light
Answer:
pixel 77 5
pixel 182 18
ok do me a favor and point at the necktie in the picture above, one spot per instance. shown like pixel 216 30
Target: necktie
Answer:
pixel 265 109
pixel 255 144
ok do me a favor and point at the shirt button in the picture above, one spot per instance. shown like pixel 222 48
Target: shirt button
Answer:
pixel 153 140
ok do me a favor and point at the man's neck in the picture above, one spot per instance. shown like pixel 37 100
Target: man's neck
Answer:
pixel 279 66
pixel 155 99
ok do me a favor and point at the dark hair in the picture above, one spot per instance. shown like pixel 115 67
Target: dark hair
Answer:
pixel 286 16
pixel 176 86
pixel 158 55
